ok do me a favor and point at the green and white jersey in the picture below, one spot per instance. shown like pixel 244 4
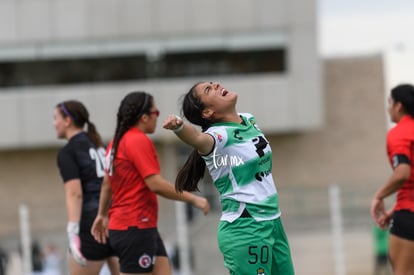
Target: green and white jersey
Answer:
pixel 240 165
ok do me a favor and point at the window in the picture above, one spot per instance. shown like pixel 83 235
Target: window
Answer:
pixel 134 67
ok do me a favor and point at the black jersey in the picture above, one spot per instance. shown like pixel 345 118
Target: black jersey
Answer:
pixel 81 159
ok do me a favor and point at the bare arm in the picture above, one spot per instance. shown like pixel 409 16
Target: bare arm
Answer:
pixel 99 228
pixel 73 195
pixel 105 197
pixel 74 198
pixel 164 188
pixel 189 134
pixel 401 174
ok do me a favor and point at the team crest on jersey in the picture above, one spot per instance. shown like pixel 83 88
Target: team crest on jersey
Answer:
pixel 261 271
pixel 218 136
pixel 145 261
pixel 253 122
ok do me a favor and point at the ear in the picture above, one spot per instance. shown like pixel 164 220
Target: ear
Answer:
pixel 399 107
pixel 144 118
pixel 207 113
pixel 67 120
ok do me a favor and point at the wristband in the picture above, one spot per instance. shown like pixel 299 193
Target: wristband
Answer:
pixel 180 127
pixel 72 228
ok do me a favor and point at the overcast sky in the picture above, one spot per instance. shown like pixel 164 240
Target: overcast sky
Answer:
pixel 348 27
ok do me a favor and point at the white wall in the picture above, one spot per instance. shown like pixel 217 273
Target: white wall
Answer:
pixel 28 113
pixel 56 20
pixel 35 29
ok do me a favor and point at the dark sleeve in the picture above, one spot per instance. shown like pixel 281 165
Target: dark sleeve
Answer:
pixel 399 159
pixel 68 166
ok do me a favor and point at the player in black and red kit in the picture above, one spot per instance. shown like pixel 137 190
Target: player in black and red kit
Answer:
pixel 80 164
pixel 400 149
pixel 131 186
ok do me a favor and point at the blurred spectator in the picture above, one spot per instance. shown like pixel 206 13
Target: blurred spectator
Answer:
pixel 52 261
pixel 37 258
pixel 3 261
pixel 381 250
pixel 173 252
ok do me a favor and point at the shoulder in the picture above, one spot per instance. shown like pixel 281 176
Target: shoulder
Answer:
pixel 248 118
pixel 67 149
pixel 135 137
pixel 401 131
pixel 247 115
pixel 66 154
pixel 401 127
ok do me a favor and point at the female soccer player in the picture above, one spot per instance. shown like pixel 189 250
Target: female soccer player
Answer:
pixel 239 159
pixel 129 192
pixel 80 164
pixel 400 149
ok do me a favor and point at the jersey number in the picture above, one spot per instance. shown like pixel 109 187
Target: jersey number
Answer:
pixel 258 254
pixel 99 157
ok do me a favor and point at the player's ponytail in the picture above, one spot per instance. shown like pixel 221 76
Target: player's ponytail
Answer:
pixel 191 173
pixel 194 167
pixel 79 115
pixel 93 134
pixel 132 107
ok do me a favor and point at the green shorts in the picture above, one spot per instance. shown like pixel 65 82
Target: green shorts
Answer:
pixel 251 247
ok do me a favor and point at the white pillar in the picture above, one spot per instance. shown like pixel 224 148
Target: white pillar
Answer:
pixel 337 234
pixel 182 238
pixel 25 240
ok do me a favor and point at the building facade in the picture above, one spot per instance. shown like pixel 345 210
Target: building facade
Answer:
pixel 98 50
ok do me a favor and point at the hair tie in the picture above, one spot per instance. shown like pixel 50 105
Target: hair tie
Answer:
pixel 67 113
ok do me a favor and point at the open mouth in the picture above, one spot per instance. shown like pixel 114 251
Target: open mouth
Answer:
pixel 224 92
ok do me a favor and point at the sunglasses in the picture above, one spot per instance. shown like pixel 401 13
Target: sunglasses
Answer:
pixel 156 112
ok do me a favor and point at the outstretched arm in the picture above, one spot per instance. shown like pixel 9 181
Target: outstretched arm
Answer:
pixel 189 134
pixel 162 187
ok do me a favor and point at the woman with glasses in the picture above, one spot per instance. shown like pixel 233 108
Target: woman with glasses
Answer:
pixel 400 148
pixel 129 192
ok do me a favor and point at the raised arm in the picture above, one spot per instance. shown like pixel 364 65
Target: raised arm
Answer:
pixel 189 134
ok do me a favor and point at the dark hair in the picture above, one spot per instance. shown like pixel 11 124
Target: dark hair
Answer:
pixel 404 93
pixel 80 116
pixel 194 167
pixel 131 109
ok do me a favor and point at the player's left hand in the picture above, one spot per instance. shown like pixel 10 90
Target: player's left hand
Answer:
pixel 99 229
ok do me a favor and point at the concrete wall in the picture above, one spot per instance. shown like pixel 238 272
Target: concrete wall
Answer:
pixel 350 149
pixel 291 101
pixel 59 20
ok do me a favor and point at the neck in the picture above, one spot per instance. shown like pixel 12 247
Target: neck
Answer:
pixel 400 116
pixel 72 132
pixel 232 117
